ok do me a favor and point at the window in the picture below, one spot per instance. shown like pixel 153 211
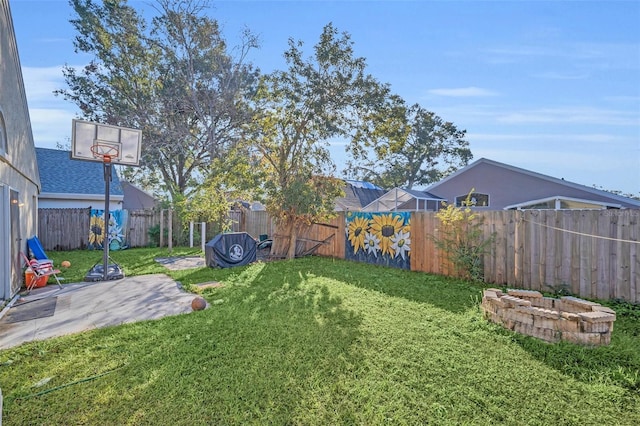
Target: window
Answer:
pixel 475 200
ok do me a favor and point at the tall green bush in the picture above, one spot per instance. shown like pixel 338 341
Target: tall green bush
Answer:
pixel 461 238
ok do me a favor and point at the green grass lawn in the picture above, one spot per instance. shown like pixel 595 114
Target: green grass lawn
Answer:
pixel 318 341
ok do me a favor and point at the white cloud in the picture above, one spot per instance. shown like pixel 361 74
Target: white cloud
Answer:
pixel 41 82
pixel 554 75
pixel 596 138
pixel 50 126
pixel 498 114
pixel 463 92
pixel 597 55
pixel 50 115
pixel 623 99
pixel 573 115
pixel 469 116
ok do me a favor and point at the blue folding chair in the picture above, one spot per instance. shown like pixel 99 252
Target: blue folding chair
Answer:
pixel 37 251
pixel 39 262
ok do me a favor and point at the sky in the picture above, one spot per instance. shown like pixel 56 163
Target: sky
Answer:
pixel 548 86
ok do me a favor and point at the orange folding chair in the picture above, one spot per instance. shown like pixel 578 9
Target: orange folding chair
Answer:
pixel 39 269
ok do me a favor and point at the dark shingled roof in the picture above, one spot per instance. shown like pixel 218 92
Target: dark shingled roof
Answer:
pixel 367 195
pixel 60 174
pixel 357 196
pixel 135 198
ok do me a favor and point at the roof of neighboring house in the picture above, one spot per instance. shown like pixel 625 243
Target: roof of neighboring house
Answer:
pixel 135 198
pixel 361 184
pixel 357 195
pixel 60 174
pixel 599 194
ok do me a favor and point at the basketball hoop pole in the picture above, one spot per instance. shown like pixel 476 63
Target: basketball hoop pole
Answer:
pixel 106 164
pixel 109 145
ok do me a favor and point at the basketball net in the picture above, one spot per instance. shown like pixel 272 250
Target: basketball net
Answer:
pixel 104 152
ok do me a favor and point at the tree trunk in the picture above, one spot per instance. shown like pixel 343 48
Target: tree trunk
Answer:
pixel 293 239
pixel 280 247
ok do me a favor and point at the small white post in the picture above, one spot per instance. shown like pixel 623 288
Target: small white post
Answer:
pixel 161 228
pixel 203 234
pixel 191 234
pixel 170 226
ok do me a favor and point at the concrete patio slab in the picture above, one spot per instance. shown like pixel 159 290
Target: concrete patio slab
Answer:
pixel 86 306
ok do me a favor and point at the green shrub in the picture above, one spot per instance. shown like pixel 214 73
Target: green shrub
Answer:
pixel 462 240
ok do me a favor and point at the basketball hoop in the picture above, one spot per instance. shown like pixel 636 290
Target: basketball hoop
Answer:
pixel 110 145
pixel 106 152
pixel 95 142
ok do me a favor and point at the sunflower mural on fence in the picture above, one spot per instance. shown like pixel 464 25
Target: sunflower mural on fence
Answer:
pixel 380 238
pixel 97 232
pixel 357 232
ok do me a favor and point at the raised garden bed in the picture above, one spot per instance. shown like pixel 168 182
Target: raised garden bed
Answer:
pixel 567 319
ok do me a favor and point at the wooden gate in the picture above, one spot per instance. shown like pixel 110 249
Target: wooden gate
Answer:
pixel 138 224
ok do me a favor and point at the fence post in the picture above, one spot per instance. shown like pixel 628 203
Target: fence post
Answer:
pixel 161 228
pixel 170 226
pixel 203 233
pixel 519 247
pixel 191 234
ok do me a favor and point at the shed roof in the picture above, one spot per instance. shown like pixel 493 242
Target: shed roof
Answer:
pixel 60 174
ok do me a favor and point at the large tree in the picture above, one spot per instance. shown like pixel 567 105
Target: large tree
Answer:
pixel 174 78
pixel 411 147
pixel 299 110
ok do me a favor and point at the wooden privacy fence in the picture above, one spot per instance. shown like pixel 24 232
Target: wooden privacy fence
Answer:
pixel 319 238
pixel 68 229
pixel 138 224
pixel 64 229
pixel 327 238
pixel 253 222
pixel 593 254
pixel 590 253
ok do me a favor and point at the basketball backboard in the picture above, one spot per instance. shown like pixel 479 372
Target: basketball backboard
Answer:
pixel 89 139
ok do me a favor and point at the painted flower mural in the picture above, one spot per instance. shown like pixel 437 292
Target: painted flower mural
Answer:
pixel 97 231
pixel 380 238
pixel 401 244
pixel 372 244
pixel 356 232
pixel 385 227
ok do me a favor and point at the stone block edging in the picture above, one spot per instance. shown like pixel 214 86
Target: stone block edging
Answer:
pixel 553 320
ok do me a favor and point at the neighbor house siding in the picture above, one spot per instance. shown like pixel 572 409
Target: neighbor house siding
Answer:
pixel 68 183
pixel 76 201
pixel 506 185
pixel 18 168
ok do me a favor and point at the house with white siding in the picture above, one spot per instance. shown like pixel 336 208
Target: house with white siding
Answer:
pixel 19 177
pixel 69 183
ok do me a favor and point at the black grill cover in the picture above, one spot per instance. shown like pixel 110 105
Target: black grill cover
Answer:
pixel 232 249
